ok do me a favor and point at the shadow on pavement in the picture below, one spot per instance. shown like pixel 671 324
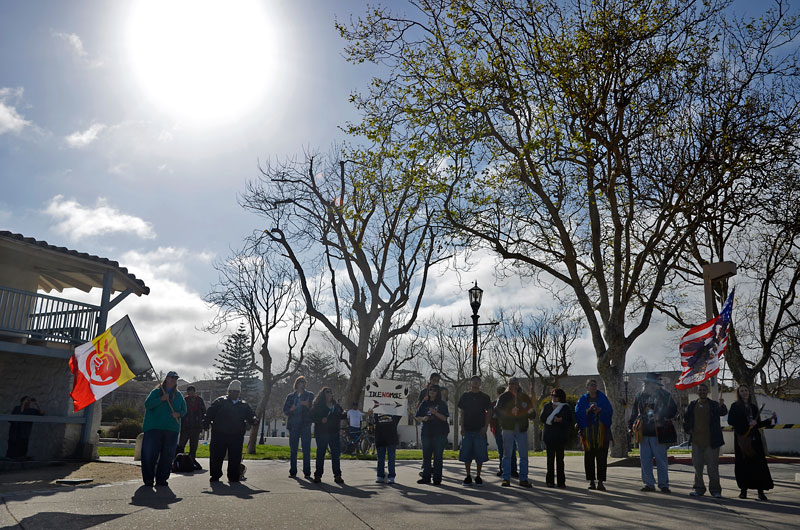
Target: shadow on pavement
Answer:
pixel 66 521
pixel 158 498
pixel 344 489
pixel 237 489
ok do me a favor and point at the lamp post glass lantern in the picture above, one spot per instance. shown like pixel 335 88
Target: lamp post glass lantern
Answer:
pixel 475 298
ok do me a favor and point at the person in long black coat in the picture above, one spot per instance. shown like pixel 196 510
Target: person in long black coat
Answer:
pixel 751 469
pixel 229 417
pixel 558 419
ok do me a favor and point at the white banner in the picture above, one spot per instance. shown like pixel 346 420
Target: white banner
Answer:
pixel 386 396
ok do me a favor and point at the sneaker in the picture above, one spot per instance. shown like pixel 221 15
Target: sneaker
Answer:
pixel 666 490
pixel 292 475
pixel 308 477
pixel 525 484
pixel 648 488
pixel 424 481
pixel 515 474
pixel 478 480
pixel 600 486
pixel 390 480
pixel 591 485
pixel 317 480
pixel 467 480
pixel 506 483
pixel 717 495
pixel 695 493
pixel 338 480
pixel 379 480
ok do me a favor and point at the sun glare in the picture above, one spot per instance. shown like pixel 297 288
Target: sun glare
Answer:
pixel 205 62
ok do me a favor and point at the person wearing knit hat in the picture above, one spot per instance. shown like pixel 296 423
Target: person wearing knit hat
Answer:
pixel 228 417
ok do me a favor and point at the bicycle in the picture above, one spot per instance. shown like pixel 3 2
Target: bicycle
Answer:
pixel 363 442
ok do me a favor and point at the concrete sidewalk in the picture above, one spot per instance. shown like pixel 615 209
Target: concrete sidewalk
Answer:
pixel 269 499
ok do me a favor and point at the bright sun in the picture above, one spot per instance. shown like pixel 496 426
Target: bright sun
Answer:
pixel 205 62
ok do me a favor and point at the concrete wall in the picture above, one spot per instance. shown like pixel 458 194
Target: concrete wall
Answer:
pixel 50 381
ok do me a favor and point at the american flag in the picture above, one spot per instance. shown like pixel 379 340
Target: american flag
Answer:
pixel 702 346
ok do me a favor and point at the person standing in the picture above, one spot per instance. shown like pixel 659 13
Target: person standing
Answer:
pixel 497 431
pixel 433 414
pixel 228 417
pixel 297 409
pixel 653 411
pixel 192 423
pixel 750 464
pixel 475 408
pixel 558 420
pixel 386 442
pixel 163 410
pixel 326 415
pixel 19 432
pixel 593 414
pixel 433 380
pixel 354 417
pixel 515 408
pixel 701 423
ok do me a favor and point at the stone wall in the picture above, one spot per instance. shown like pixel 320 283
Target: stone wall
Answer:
pixel 50 381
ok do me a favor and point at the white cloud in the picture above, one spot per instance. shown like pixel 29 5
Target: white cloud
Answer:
pixel 77 221
pixel 80 139
pixel 76 45
pixel 10 119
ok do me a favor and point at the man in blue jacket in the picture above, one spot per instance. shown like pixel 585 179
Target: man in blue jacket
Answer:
pixel 297 408
pixel 701 423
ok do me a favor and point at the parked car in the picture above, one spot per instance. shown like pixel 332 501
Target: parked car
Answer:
pixel 685 445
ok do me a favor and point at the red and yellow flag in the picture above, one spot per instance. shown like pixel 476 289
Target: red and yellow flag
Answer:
pixel 108 362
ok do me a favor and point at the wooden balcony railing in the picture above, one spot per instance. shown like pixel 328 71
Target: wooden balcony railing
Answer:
pixel 44 317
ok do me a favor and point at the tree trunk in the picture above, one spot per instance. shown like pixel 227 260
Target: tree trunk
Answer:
pixel 354 391
pixel 260 409
pixel 612 375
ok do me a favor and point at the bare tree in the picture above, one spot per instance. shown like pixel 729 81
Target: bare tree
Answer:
pixel 538 346
pixel 364 237
pixel 256 286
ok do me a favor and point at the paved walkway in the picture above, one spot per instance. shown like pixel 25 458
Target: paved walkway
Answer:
pixel 269 499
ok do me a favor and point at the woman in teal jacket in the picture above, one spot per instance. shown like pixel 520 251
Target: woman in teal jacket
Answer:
pixel 164 408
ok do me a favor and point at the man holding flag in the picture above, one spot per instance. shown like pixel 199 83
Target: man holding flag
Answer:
pixel 164 408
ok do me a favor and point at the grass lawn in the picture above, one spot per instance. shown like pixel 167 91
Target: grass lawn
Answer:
pixel 279 452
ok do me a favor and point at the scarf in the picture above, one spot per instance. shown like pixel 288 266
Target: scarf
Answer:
pixel 556 407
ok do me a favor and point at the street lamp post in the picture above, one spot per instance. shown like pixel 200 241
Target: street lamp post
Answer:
pixel 715 272
pixel 475 298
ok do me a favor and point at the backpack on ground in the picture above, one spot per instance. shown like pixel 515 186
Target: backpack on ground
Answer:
pixel 182 463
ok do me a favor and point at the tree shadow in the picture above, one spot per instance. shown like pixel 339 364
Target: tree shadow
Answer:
pixel 159 498
pixel 66 521
pixel 237 489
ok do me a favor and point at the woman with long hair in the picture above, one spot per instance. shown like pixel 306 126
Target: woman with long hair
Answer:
pixel 327 415
pixel 433 414
pixel 593 414
pixel 750 465
pixel 558 419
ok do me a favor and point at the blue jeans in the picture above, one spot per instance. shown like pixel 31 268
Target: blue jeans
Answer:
pixel 648 448
pixel 391 451
pixel 295 436
pixel 509 439
pixel 498 438
pixel 433 446
pixel 333 442
pixel 158 451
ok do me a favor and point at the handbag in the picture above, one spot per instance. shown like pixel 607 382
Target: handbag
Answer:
pixel 637 430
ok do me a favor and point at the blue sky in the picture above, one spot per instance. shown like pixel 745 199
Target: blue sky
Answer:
pixel 98 154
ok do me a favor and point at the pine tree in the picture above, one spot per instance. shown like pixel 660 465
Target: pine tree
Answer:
pixel 234 362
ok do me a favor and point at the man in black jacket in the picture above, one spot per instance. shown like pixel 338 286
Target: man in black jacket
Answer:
pixel 192 423
pixel 514 408
pixel 701 422
pixel 228 417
